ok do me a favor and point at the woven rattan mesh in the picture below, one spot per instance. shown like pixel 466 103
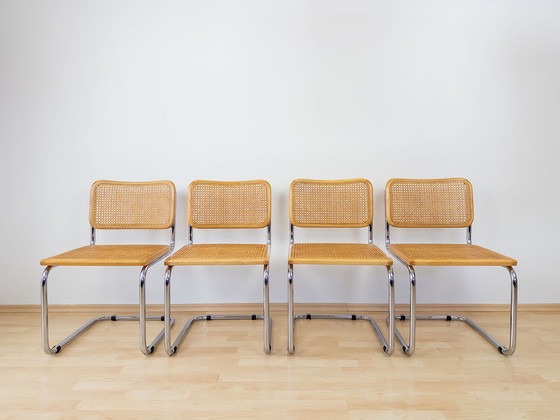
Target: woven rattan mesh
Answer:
pixel 109 255
pixel 449 254
pixel 132 205
pixel 429 203
pixel 344 203
pixel 337 254
pixel 220 254
pixel 223 205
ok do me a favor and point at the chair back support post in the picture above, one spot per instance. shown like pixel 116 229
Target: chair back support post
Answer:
pixel 269 234
pixel 291 233
pixel 172 242
pixel 190 234
pixel 387 235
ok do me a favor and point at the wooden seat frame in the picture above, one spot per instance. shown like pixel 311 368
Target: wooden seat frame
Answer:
pixel 387 344
pixel 142 318
pixel 170 348
pixel 409 347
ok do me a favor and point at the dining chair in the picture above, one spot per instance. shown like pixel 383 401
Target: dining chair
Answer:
pixel 335 204
pixel 223 205
pixel 440 203
pixel 118 205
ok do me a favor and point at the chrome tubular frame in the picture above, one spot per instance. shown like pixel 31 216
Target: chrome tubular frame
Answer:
pixel 412 317
pixel 142 318
pixel 388 345
pixel 171 349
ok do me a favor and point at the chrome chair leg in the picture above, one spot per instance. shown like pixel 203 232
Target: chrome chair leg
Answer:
pixel 391 292
pixel 506 351
pixel 409 348
pixel 171 349
pixel 388 346
pixel 266 312
pixel 291 316
pixel 512 315
pixel 167 312
pixel 142 318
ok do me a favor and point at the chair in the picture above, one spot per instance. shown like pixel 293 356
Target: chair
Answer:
pixel 440 203
pixel 118 205
pixel 335 204
pixel 223 205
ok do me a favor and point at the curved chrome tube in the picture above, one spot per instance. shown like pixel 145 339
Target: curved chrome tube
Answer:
pixel 167 312
pixel 391 292
pixel 512 315
pixel 266 311
pixel 171 349
pixel 506 351
pixel 409 348
pixel 142 309
pixel 45 314
pixel 291 347
pixel 388 345
pixel 142 318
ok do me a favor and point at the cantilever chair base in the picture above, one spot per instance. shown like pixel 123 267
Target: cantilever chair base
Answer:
pixel 408 348
pixel 142 318
pixel 388 346
pixel 353 317
pixel 149 349
pixel 188 324
pixel 171 349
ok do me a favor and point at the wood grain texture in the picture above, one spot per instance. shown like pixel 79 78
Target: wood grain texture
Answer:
pixel 337 371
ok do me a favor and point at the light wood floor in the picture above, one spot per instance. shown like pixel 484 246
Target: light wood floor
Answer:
pixel 338 371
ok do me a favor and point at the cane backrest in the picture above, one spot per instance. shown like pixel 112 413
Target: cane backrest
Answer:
pixel 229 205
pixel 429 203
pixel 334 203
pixel 132 205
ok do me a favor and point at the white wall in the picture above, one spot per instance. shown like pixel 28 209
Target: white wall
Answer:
pixel 241 89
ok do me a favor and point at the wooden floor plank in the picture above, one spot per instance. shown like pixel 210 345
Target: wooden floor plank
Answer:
pixel 338 371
